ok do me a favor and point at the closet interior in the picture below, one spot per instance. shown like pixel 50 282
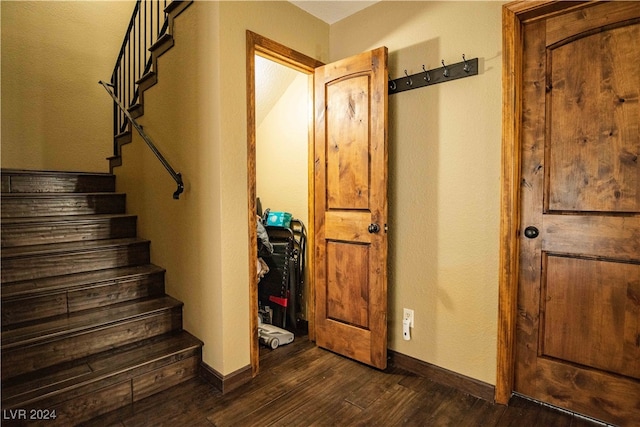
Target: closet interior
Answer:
pixel 282 150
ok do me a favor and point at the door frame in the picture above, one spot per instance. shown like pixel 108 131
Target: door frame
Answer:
pixel 514 16
pixel 274 51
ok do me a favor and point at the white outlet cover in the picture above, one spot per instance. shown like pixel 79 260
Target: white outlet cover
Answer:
pixel 408 314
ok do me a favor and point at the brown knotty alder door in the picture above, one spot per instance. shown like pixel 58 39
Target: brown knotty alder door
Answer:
pixel 351 207
pixel 578 327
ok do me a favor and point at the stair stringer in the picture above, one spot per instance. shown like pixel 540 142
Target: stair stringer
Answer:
pixel 160 47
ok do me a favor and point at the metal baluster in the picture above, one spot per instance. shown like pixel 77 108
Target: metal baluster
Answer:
pixel 145 31
pixel 122 91
pixel 139 45
pixel 128 76
pixel 120 86
pixel 151 25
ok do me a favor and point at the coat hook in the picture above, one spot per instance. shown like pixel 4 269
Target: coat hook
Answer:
pixel 446 70
pixel 409 81
pixel 427 77
pixel 392 84
pixel 466 65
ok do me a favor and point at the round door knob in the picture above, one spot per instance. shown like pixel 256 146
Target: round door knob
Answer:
pixel 531 232
pixel 374 228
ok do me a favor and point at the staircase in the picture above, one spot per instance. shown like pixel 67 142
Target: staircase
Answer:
pixel 86 325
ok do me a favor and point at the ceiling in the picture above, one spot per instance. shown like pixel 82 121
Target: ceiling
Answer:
pixel 331 11
pixel 272 80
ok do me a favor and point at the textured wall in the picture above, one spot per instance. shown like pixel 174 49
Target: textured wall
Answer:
pixel 54 113
pixel 282 152
pixel 444 171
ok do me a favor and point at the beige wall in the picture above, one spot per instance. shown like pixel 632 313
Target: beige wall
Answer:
pixel 54 113
pixel 282 152
pixel 444 170
pixel 197 116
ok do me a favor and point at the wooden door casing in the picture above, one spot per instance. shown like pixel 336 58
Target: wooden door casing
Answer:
pixel 270 49
pixel 350 194
pixel 578 324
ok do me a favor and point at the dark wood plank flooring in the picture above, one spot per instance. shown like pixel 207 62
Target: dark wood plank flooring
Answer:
pixel 303 385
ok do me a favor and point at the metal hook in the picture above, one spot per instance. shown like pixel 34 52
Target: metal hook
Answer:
pixel 446 70
pixel 466 65
pixel 409 81
pixel 392 84
pixel 427 77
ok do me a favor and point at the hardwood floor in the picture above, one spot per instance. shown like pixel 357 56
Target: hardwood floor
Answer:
pixel 303 385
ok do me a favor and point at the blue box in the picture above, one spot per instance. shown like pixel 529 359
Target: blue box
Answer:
pixel 279 219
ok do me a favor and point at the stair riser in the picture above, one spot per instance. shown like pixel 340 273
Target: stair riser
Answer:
pixel 59 232
pixel 17 310
pixel 23 359
pixel 165 377
pixel 51 390
pixel 27 309
pixel 82 404
pixel 62 204
pixel 38 266
pixel 56 183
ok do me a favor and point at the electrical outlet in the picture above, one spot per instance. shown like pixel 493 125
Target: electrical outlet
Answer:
pixel 408 315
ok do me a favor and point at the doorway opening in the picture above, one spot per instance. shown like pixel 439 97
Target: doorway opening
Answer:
pixel 280 136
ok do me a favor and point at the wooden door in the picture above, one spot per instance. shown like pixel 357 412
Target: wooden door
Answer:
pixel 351 207
pixel 578 326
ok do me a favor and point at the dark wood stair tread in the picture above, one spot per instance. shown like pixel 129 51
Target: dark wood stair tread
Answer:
pixel 16 336
pixel 76 281
pixel 24 181
pixel 45 196
pixel 28 172
pixel 67 247
pixel 48 204
pixel 28 231
pixel 163 43
pixel 62 219
pixel 107 367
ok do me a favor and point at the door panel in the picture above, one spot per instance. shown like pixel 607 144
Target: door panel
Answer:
pixel 347 156
pixel 590 315
pixel 350 195
pixel 347 263
pixel 578 326
pixel 600 142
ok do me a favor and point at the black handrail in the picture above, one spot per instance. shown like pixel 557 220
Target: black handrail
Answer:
pixel 175 175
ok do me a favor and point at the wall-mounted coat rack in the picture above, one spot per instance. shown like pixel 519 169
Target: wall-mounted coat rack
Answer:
pixel 460 70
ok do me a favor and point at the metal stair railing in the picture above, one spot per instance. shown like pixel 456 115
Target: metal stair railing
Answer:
pixel 175 175
pixel 148 23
